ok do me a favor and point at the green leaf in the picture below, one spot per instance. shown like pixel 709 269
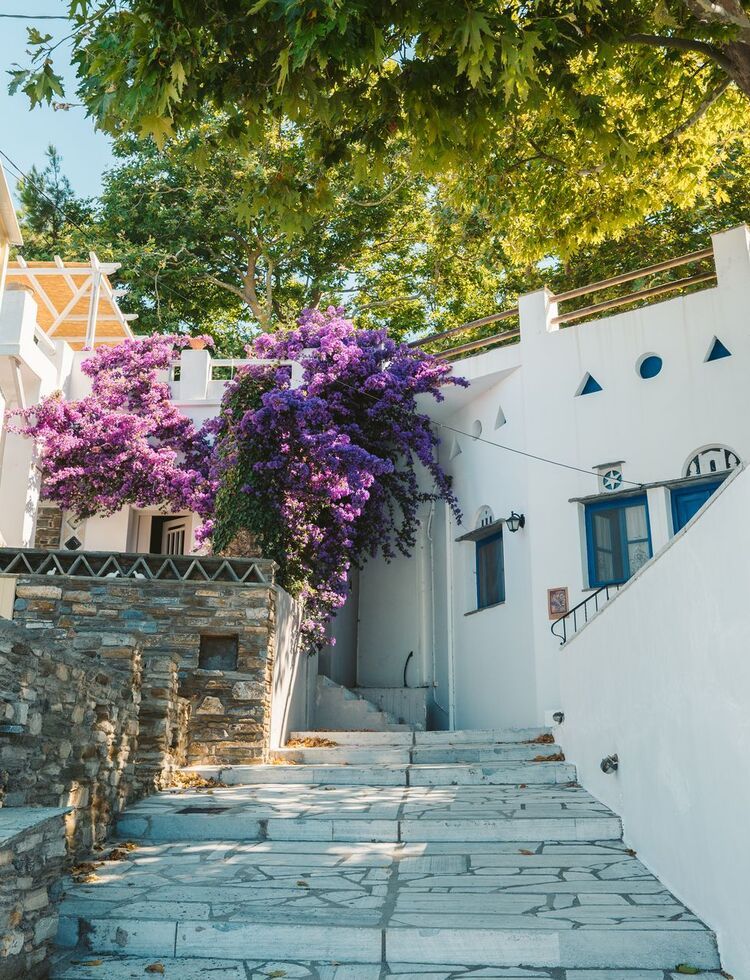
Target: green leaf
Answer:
pixel 686 968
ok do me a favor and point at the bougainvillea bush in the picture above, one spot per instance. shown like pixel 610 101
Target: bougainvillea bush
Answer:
pixel 329 472
pixel 125 443
pixel 320 471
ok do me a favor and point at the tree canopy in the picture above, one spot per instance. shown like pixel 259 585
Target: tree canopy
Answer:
pixel 50 209
pixel 566 121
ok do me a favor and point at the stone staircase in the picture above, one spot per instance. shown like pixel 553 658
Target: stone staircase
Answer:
pixel 411 855
pixel 338 707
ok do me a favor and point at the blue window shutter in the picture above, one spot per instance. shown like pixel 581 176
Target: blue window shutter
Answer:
pixel 718 350
pixel 590 385
pixel 490 566
pixel 614 523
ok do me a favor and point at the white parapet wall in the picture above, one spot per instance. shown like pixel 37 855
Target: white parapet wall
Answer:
pixel 662 678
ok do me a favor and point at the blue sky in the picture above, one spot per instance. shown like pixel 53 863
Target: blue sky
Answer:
pixel 24 134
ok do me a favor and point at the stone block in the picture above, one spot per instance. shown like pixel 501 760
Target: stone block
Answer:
pixel 39 591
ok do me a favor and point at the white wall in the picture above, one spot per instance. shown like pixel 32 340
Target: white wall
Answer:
pixel 662 677
pixel 294 674
pixel 504 659
pixel 394 610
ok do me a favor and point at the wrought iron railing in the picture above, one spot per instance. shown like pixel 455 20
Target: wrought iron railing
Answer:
pixel 165 568
pixel 568 625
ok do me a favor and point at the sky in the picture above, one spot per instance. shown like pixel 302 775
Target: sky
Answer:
pixel 25 133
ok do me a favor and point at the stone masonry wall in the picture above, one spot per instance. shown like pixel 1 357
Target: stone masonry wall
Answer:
pixel 69 729
pixel 230 709
pixel 32 859
pixel 48 527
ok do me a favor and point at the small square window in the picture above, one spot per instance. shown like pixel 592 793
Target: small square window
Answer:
pixel 218 652
pixel 490 571
pixel 618 539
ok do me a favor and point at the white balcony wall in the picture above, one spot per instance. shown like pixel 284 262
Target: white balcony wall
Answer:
pixel 662 678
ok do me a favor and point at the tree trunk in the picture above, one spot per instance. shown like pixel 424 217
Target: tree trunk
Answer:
pixel 737 54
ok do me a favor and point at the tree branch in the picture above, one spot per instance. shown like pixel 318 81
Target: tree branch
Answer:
pixel 729 13
pixel 681 44
pixel 700 111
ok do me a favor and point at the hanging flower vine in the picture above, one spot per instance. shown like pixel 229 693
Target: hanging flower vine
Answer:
pixel 126 442
pixel 322 471
pixel 334 470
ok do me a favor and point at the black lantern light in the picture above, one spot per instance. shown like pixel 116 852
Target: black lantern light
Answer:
pixel 515 521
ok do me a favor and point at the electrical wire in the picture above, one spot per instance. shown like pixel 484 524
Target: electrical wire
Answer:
pixel 24 176
pixel 497 445
pixel 442 425
pixel 34 17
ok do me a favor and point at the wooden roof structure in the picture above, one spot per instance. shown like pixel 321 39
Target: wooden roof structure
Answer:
pixel 77 302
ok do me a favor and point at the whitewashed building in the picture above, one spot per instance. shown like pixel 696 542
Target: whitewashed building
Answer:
pixel 600 439
pixel 599 460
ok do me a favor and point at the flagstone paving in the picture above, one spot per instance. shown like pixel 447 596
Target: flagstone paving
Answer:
pixel 339 881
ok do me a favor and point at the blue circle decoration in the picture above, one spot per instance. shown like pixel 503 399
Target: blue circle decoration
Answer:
pixel 650 366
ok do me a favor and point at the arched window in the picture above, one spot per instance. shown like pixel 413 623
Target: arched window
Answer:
pixel 708 467
pixel 711 459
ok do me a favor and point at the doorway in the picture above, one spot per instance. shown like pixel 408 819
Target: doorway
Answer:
pixel 168 535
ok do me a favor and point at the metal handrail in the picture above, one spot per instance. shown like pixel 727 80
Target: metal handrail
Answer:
pixel 581 610
pixel 666 287
pixel 703 253
pixel 471 325
pixel 482 342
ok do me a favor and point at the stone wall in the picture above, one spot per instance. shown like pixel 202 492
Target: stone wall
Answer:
pixel 230 708
pixel 48 527
pixel 32 858
pixel 68 728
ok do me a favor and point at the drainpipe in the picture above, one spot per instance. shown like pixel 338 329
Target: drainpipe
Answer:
pixel 449 625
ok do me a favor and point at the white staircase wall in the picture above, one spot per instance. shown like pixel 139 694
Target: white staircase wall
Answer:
pixel 662 677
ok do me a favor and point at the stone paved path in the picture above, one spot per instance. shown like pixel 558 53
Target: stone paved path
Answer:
pixel 351 879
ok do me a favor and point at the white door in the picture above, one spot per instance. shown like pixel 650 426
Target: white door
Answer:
pixel 173 535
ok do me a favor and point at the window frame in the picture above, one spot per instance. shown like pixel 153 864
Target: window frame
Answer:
pixel 680 492
pixel 621 505
pixel 481 543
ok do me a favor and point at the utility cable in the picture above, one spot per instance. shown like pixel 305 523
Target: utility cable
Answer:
pixel 24 176
pixel 442 425
pixel 497 445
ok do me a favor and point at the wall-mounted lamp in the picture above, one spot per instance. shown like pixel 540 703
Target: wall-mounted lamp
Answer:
pixel 609 764
pixel 515 521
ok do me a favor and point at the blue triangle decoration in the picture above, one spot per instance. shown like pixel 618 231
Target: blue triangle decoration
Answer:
pixel 718 350
pixel 590 386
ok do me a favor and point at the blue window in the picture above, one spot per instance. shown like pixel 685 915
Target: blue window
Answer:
pixel 650 366
pixel 490 570
pixel 618 539
pixel 687 501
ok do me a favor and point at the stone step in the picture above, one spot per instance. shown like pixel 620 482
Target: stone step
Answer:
pixel 393 755
pixel 338 707
pixel 493 774
pixel 407 737
pixel 113 967
pixel 588 905
pixel 485 736
pixel 367 813
pixel 359 738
